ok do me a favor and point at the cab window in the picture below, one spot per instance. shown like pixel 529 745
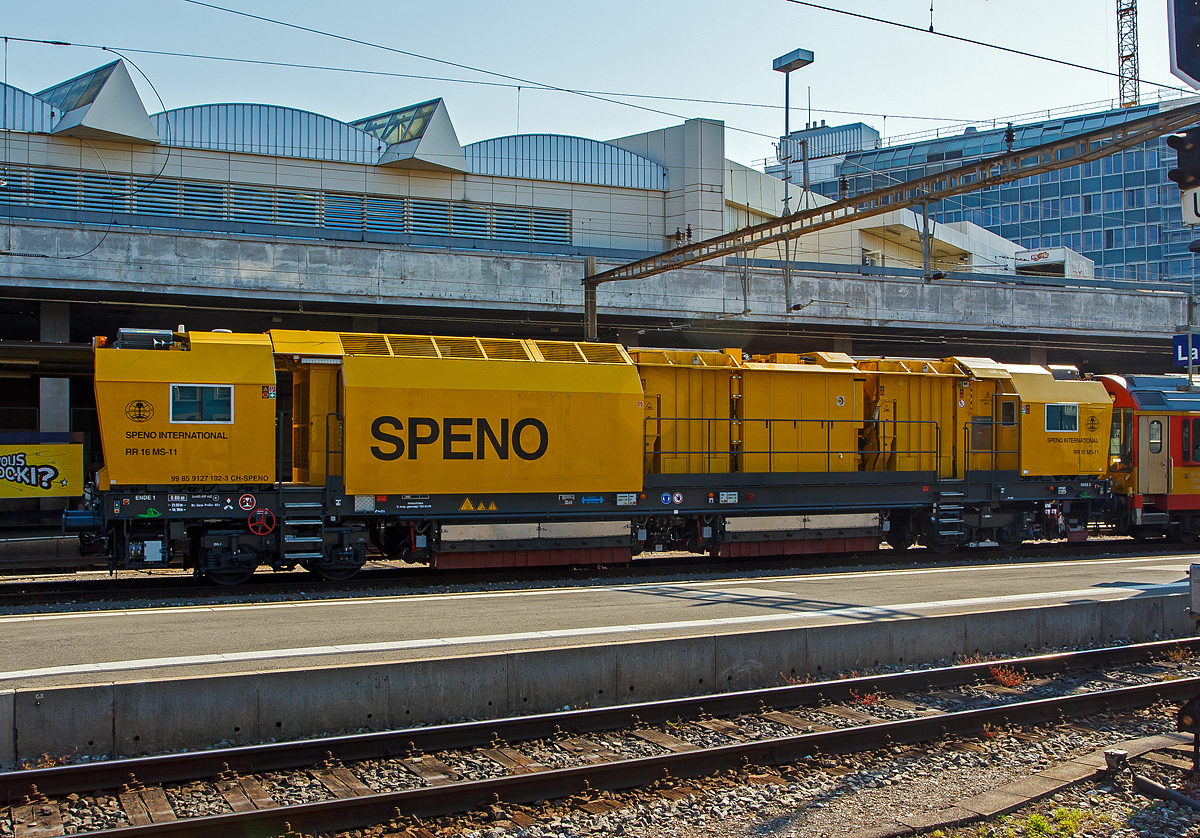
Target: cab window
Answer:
pixel 202 403
pixel 1008 413
pixel 1127 436
pixel 1189 440
pixel 1062 417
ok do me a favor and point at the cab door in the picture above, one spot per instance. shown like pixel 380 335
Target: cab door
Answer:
pixel 1007 425
pixel 1154 464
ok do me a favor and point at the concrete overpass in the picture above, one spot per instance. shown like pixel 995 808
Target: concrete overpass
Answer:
pixel 112 277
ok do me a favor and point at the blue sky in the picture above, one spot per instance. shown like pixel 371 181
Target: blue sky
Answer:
pixel 702 49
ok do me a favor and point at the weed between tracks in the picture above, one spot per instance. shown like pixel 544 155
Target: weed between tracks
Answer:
pixel 867 699
pixel 1007 676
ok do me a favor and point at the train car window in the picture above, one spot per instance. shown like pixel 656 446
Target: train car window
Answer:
pixel 1008 413
pixel 1156 437
pixel 1062 417
pixel 202 403
pixel 1127 436
pixel 1114 436
pixel 1185 440
pixel 1195 439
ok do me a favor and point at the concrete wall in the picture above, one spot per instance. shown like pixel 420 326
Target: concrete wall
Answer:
pixel 159 265
pixel 121 719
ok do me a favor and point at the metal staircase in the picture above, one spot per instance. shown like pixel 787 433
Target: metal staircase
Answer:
pixel 948 515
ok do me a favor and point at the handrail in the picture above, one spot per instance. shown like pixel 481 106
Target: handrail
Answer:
pixel 993 452
pixel 341 450
pixel 733 448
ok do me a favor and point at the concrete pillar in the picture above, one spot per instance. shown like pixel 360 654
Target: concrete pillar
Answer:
pixel 1037 355
pixel 54 403
pixel 54 397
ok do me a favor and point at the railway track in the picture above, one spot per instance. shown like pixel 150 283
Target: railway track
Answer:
pixel 602 749
pixel 34 592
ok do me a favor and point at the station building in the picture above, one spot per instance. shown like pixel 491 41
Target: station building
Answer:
pixel 1121 212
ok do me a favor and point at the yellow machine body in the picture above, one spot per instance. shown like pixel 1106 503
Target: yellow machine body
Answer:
pixel 712 412
pixel 954 416
pixel 201 412
pixel 441 415
pixel 800 417
pixel 910 414
pixel 1065 425
pixel 688 425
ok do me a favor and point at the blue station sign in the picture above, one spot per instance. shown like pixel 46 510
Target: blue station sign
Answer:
pixel 1180 350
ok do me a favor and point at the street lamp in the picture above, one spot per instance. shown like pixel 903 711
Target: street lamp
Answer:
pixel 794 60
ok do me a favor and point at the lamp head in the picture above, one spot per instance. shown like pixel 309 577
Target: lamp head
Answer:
pixel 794 60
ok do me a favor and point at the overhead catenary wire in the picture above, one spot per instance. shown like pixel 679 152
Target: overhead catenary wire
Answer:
pixel 965 40
pixel 459 65
pixel 297 65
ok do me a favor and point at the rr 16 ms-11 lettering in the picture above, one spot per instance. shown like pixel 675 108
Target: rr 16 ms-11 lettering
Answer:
pixel 462 439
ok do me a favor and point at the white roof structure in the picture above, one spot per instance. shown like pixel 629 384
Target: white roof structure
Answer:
pixel 102 103
pixel 418 137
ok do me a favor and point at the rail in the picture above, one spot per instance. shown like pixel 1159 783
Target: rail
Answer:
pixel 365 808
pixel 734 437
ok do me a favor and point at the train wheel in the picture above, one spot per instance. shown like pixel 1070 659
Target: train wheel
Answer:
pixel 229 577
pixel 1008 538
pixel 942 547
pixel 900 535
pixel 336 574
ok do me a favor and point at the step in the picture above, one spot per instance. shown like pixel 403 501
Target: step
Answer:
pixel 303 556
pixel 302 505
pixel 303 539
pixel 303 522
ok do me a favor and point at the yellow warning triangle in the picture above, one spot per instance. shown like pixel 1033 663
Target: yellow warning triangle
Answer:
pixel 467 506
pixel 481 507
pixel 492 506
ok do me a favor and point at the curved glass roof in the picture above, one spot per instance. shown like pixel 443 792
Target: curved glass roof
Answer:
pixel 24 111
pixel 973 145
pixel 266 129
pixel 564 159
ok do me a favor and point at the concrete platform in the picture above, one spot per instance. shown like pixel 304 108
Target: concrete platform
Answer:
pixel 136 717
pixel 85 647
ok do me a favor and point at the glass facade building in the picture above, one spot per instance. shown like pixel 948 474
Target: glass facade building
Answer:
pixel 1121 211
